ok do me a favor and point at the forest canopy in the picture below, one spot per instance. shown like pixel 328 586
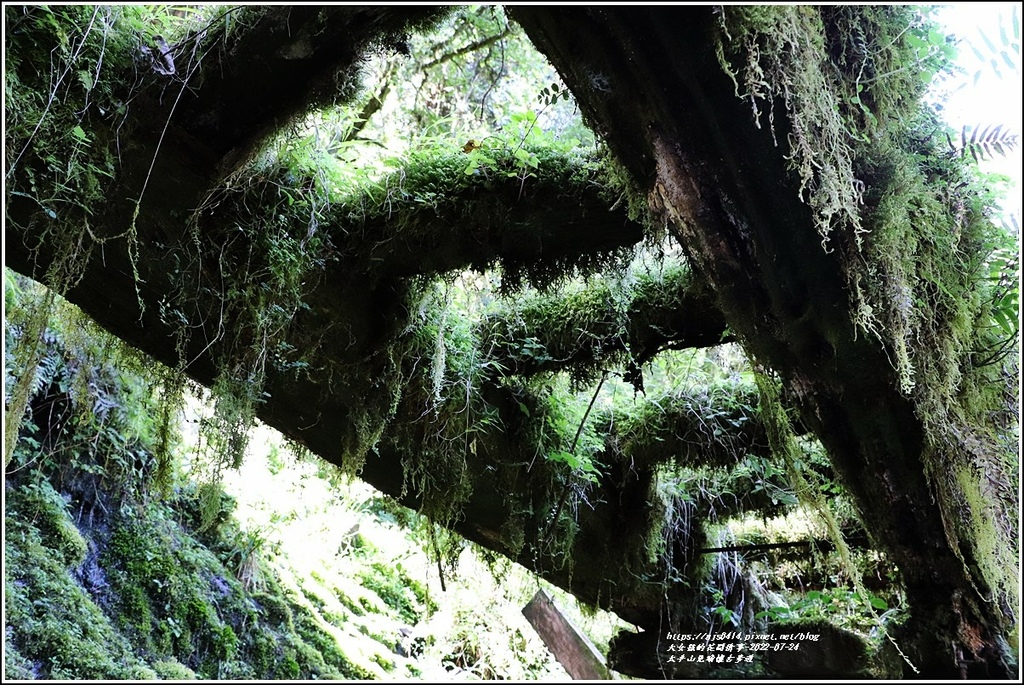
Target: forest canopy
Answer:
pixel 604 290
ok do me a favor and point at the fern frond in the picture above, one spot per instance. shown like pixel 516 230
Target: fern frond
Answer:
pixel 984 143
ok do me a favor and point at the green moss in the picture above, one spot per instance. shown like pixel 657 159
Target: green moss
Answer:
pixel 782 56
pixel 274 609
pixel 168 598
pixel 994 543
pixel 919 248
pixel 355 605
pixel 689 426
pixel 17 667
pixel 288 669
pixel 53 623
pixel 183 602
pixel 171 669
pixel 259 651
pixel 447 187
pixel 48 511
pixel 586 323
pixel 931 242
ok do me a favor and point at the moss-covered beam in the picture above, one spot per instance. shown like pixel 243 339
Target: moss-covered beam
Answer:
pixel 542 221
pixel 604 325
pixel 490 466
pixel 154 147
pixel 264 66
pixel 347 276
pixel 715 427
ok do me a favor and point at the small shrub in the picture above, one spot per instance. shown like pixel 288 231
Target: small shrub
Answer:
pixel 172 669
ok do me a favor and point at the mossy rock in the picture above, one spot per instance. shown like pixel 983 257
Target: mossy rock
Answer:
pixel 824 651
pixel 54 627
pixel 17 667
pixel 274 609
pixel 288 669
pixel 49 513
pixel 68 541
pixel 140 672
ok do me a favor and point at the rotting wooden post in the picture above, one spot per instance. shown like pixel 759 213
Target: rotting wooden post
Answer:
pixel 569 646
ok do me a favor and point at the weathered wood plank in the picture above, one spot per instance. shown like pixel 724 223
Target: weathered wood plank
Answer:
pixel 569 646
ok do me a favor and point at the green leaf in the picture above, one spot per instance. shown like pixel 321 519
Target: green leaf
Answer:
pixel 995 68
pixel 560 456
pixel 988 43
pixel 1003 321
pixel 86 78
pixel 878 603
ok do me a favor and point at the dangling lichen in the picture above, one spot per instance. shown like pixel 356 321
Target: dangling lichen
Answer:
pixel 61 143
pixel 782 51
pixel 784 445
pixel 27 353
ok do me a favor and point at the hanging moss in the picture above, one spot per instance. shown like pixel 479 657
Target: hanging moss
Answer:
pixel 714 426
pixel 931 241
pixel 782 53
pixel 783 444
pixel 64 140
pixel 25 347
pixel 83 409
pixel 507 204
pixel 920 243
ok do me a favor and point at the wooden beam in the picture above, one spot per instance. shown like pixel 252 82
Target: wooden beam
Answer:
pixel 860 541
pixel 564 640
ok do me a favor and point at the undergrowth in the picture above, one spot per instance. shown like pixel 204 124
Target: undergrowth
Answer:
pixel 111 573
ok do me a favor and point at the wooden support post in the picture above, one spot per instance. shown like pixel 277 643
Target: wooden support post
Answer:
pixel 569 646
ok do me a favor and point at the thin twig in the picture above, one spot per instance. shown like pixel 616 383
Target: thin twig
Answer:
pixel 53 92
pixel 472 47
pixel 575 440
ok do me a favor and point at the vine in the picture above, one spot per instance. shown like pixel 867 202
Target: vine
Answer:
pixel 66 140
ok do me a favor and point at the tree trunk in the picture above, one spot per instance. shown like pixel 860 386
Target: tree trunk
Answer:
pixel 650 80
